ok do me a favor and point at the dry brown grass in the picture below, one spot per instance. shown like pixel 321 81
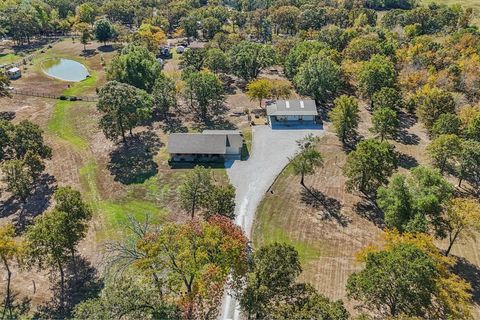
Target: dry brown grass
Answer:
pixel 329 233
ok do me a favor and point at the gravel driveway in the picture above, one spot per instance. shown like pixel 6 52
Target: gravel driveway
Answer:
pixel 271 150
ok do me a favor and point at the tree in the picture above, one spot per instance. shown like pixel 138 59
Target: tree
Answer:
pixel 285 18
pixel 6 129
pixel 124 107
pixel 195 189
pixel 18 179
pixel 193 59
pixel 416 202
pixel 204 93
pixel 319 77
pixel 196 258
pixel 85 33
pixel 300 53
pixel 472 130
pixel 399 280
pixel 26 137
pixel 135 66
pixel 247 59
pixel 11 251
pixel 462 220
pixel 447 123
pixel 443 149
pixel 275 269
pixel 86 13
pixel 431 103
pixel 151 36
pixel 385 123
pixel 78 214
pixel 280 89
pixel 375 74
pixel 304 302
pixel 271 291
pixel 120 11
pixel 48 245
pixel 259 89
pixel 396 201
pixel 307 159
pixel 387 97
pixel 164 94
pixel 103 31
pixel 217 61
pixel 469 162
pixel 210 27
pixel 369 166
pixel 129 297
pixel 4 84
pixel 220 200
pixel 362 49
pixel 409 276
pixel 345 117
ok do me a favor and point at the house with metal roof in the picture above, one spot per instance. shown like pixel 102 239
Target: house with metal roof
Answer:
pixel 208 146
pixel 292 112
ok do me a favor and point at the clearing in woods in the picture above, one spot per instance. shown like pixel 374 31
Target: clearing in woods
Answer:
pixel 330 228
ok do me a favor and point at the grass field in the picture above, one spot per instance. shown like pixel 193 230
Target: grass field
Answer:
pixel 329 226
pixel 7 58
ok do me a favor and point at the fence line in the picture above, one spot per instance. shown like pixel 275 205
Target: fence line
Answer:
pixel 51 96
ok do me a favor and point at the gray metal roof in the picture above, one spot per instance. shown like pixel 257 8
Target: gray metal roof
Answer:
pixel 197 143
pixel 235 138
pixel 292 108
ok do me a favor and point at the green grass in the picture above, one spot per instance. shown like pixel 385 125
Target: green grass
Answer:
pixel 138 201
pixel 270 225
pixel 62 122
pixel 6 58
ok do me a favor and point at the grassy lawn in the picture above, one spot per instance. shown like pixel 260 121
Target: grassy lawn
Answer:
pixel 59 123
pixel 6 58
pixel 270 227
pixel 324 229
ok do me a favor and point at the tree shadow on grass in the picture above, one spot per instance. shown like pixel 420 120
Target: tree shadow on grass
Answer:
pixel 406 161
pixel 331 208
pixel 368 210
pixel 403 136
pixel 470 273
pixel 407 138
pixel 106 48
pixel 37 203
pixel 79 286
pixel 173 124
pixel 132 162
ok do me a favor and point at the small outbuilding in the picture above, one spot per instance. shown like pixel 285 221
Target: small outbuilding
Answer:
pixel 14 73
pixel 208 146
pixel 292 112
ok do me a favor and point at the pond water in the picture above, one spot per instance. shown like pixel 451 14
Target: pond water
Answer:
pixel 65 69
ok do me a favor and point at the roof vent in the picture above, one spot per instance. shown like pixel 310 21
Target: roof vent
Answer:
pixel 301 104
pixel 287 104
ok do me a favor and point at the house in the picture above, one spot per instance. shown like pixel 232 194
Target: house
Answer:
pixel 208 146
pixel 14 73
pixel 292 112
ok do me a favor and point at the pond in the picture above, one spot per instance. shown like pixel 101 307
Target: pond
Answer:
pixel 65 69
